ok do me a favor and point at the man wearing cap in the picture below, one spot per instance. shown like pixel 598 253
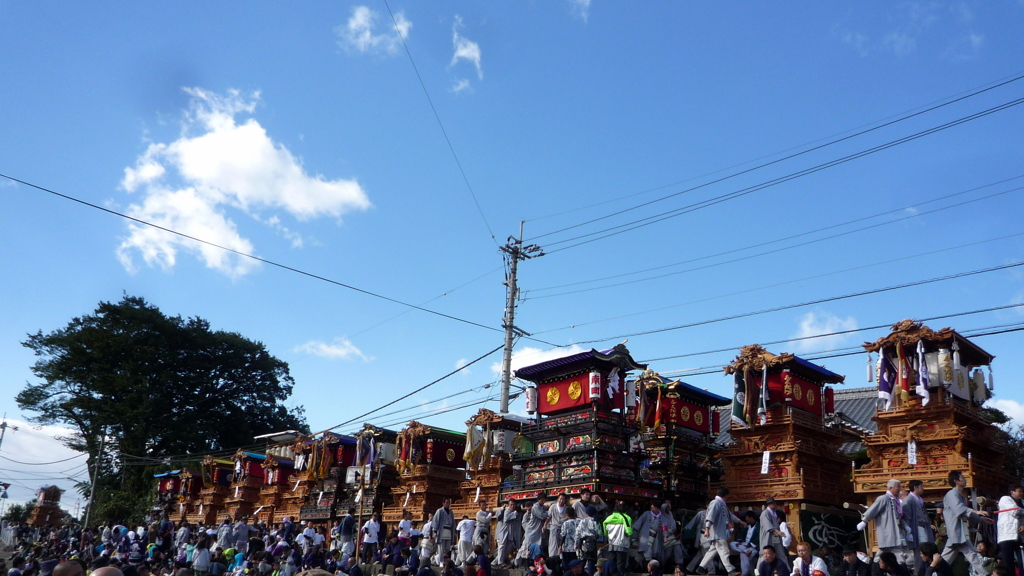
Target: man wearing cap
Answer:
pixel 890 523
pixel 576 568
pixel 770 534
pixel 852 564
pixel 716 530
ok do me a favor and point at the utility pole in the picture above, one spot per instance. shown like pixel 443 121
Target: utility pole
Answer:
pixel 95 478
pixel 514 251
pixel 3 429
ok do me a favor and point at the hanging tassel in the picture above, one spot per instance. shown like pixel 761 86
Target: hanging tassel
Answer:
pixel 958 371
pixel 762 410
pixel 871 369
pixel 991 383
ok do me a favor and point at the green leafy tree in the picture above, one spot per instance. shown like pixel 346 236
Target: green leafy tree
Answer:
pixel 20 512
pixel 161 388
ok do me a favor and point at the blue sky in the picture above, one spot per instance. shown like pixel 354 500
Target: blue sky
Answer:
pixel 301 134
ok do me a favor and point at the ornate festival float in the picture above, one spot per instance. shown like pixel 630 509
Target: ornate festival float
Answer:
pixel 931 387
pixel 216 482
pixel 370 478
pixel 783 446
pixel 320 464
pixel 278 476
pixel 430 467
pixel 680 428
pixel 581 436
pixel 47 511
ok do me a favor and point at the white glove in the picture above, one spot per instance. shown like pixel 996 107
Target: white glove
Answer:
pixel 862 526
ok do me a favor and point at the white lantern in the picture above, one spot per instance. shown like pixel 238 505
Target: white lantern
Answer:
pixel 531 400
pixel 629 393
pixel 595 386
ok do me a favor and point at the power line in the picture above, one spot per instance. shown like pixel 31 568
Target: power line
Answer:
pixel 798 146
pixel 662 216
pixel 42 463
pixel 777 284
pixel 791 237
pixel 819 147
pixel 416 391
pixel 251 256
pixel 836 333
pixel 718 370
pixel 809 303
pixel 439 123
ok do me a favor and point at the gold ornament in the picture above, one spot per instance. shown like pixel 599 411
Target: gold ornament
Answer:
pixel 552 396
pixel 575 389
pixel 797 391
pixel 684 414
pixel 450 455
pixel 810 396
pixel 698 418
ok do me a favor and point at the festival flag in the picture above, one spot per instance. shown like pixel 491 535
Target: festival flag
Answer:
pixel 906 373
pixel 657 409
pixel 762 410
pixel 739 396
pixel 922 375
pixel 886 379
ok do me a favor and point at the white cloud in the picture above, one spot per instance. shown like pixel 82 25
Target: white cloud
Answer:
pixel 340 349
pixel 816 323
pixel 217 163
pixel 858 41
pixel 360 32
pixel 465 49
pixel 36 444
pixel 529 356
pixel 1012 408
pixel 459 364
pixel 460 85
pixel 899 42
pixel 581 8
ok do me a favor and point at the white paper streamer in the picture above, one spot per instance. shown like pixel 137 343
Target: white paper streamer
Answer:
pixel 765 459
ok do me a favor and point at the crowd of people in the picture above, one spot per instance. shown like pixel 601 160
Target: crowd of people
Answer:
pixel 582 536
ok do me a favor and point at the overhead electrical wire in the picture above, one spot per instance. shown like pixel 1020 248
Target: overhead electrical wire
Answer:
pixel 808 355
pixel 416 391
pixel 718 370
pixel 662 216
pixel 42 463
pixel 257 258
pixel 777 284
pixel 997 82
pixel 441 125
pixel 836 333
pixel 913 207
pixel 783 159
pixel 808 303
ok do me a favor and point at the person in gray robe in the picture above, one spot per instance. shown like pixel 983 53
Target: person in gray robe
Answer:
pixel 890 526
pixel 442 526
pixel 533 527
pixel 556 517
pixel 918 522
pixel 510 532
pixel 241 535
pixel 587 498
pixel 225 535
pixel 482 532
pixel 672 548
pixel 957 514
pixel 700 542
pixel 648 530
pixel 716 530
pixel 770 533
